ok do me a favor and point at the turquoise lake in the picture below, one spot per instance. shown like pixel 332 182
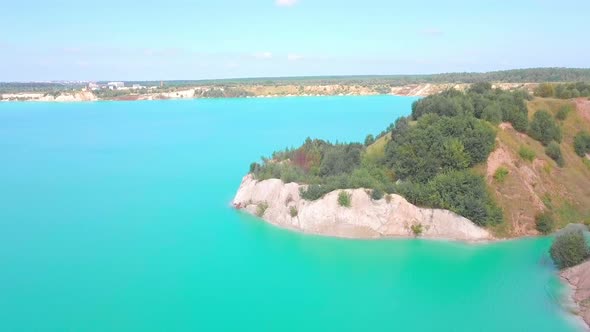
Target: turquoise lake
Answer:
pixel 115 216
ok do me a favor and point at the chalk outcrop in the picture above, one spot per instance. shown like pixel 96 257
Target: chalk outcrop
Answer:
pixel 280 204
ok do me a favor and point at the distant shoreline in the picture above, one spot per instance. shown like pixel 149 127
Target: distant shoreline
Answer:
pixel 248 91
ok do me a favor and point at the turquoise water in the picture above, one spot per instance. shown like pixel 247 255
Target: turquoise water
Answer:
pixel 114 216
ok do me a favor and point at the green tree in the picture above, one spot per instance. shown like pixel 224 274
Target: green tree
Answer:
pixel 569 249
pixel 545 90
pixel 492 114
pixel 544 129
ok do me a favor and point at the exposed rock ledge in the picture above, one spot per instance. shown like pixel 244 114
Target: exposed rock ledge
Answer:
pixel 366 218
pixel 579 279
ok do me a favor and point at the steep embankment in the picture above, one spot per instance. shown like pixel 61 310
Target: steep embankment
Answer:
pixel 391 216
pixel 61 97
pixel 540 185
pixel 578 277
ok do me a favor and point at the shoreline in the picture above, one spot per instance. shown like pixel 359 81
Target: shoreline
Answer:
pixel 280 204
pixel 198 98
pixel 256 91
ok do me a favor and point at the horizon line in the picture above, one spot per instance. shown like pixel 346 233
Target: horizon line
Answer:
pixel 332 76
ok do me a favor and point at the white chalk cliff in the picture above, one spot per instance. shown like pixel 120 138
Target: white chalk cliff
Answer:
pixel 365 218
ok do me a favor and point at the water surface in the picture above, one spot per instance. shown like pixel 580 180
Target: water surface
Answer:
pixel 114 216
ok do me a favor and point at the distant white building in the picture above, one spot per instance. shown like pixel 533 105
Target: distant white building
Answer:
pixel 115 85
pixel 93 86
pixel 137 87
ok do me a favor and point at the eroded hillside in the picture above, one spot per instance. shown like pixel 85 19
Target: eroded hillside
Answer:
pixel 534 182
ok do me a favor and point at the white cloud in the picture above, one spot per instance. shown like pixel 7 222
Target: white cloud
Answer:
pixel 294 57
pixel 263 55
pixel 286 3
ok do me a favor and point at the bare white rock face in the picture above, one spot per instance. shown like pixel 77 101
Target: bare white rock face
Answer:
pixel 365 218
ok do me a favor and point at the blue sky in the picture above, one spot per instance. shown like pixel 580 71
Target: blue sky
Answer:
pixel 142 40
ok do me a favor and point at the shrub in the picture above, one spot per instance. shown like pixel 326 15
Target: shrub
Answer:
pixel 569 249
pixel 254 168
pixel 544 90
pixel 554 151
pixel 261 208
pixel 547 201
pixel 526 153
pixel 544 223
pixel 344 199
pixel 563 112
pixel 293 212
pixel 313 192
pixel 369 140
pixel 500 174
pixel 582 143
pixel 544 129
pixel 376 194
pixel 417 229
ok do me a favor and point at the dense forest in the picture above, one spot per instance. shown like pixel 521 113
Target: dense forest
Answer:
pixel 41 87
pixel 532 75
pixel 427 157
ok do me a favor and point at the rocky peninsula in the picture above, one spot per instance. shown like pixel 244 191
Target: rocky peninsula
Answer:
pixel 280 204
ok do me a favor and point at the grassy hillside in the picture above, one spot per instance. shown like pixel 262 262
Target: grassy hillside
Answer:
pixel 540 185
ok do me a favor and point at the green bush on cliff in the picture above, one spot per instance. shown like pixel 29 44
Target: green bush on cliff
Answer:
pixel 526 153
pixel 544 129
pixel 376 194
pixel 500 174
pixel 417 229
pixel 554 152
pixel 569 249
pixel 544 223
pixel 344 199
pixel 293 212
pixel 261 208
